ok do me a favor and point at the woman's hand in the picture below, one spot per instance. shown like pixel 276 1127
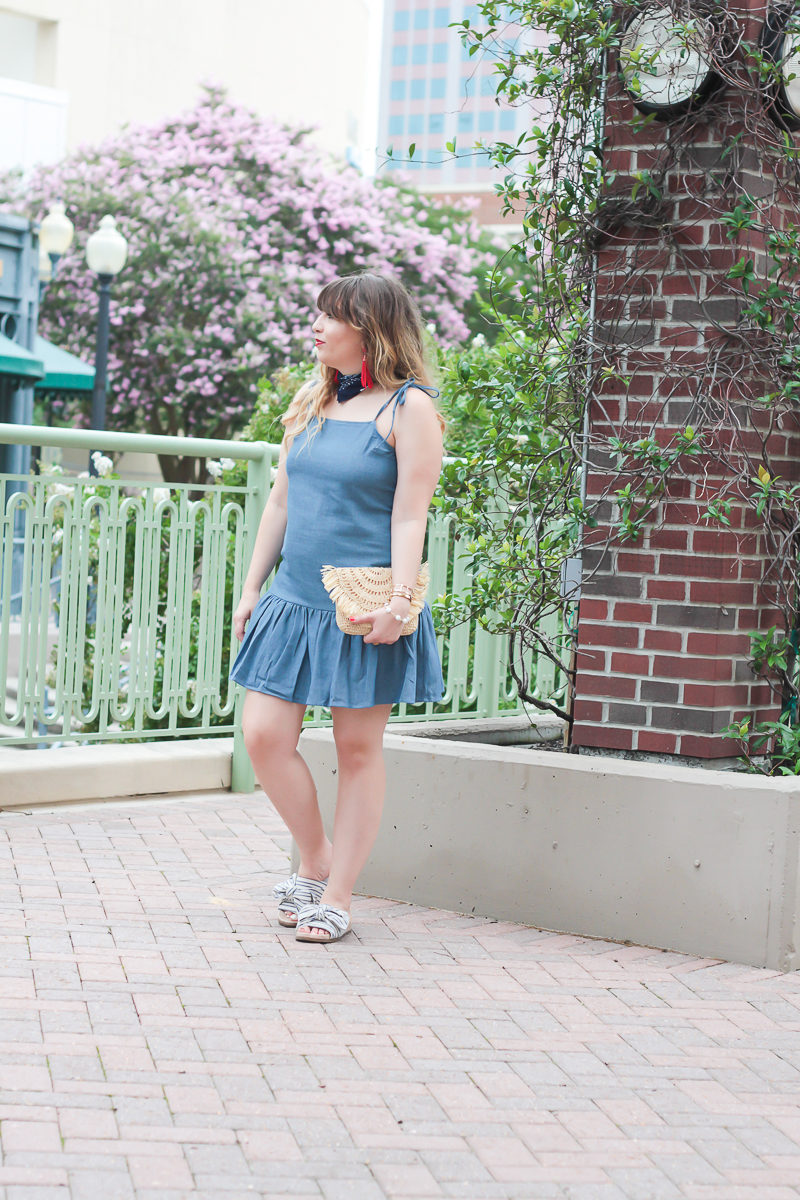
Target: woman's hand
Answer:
pixel 386 629
pixel 241 615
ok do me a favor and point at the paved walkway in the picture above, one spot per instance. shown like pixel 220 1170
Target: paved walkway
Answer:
pixel 162 1037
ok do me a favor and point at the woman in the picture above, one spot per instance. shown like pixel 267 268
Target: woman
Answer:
pixel 359 463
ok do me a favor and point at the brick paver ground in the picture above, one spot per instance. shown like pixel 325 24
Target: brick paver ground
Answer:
pixel 162 1037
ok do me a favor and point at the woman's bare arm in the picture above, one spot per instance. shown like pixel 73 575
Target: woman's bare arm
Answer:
pixel 271 529
pixel 418 446
pixel 268 545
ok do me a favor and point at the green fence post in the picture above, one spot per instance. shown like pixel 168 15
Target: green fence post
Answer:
pixel 258 483
pixel 486 676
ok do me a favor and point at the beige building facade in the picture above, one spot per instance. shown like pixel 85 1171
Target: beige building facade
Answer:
pixel 74 71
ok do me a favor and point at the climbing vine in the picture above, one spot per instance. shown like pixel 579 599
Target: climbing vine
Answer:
pixel 716 428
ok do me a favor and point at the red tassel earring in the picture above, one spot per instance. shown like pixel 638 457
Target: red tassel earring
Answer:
pixel 366 379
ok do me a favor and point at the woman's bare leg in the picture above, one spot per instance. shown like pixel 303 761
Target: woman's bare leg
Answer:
pixel 271 729
pixel 358 734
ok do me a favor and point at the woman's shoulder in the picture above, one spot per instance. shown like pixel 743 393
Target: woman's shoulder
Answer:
pixel 421 420
pixel 421 389
pixel 418 397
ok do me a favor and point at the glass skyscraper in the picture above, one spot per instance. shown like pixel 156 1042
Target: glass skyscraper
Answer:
pixel 432 91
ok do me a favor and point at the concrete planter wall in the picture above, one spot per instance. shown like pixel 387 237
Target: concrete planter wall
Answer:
pixel 704 862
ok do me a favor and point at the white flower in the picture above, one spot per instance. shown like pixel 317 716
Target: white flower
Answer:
pixel 103 465
pixel 214 468
pixel 227 464
pixel 273 474
pixel 479 340
pixel 62 489
pixel 160 495
pixel 84 475
pixel 431 328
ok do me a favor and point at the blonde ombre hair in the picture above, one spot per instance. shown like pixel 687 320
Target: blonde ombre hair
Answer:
pixel 390 325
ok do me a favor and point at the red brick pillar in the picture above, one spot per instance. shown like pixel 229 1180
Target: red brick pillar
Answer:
pixel 663 634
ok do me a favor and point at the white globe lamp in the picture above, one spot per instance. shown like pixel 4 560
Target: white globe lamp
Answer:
pixel 106 248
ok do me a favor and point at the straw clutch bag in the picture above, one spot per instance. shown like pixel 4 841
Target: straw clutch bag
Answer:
pixel 357 590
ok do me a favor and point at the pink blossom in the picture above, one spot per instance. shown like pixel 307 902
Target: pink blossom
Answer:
pixel 233 224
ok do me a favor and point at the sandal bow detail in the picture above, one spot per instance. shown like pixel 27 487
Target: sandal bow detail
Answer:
pixel 323 916
pixel 295 892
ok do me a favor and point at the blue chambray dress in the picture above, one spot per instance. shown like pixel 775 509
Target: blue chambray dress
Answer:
pixel 342 482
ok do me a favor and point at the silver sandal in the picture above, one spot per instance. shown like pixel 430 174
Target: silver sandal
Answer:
pixel 295 892
pixel 323 916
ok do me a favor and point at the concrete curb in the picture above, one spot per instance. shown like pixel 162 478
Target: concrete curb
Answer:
pixel 29 777
pixel 703 862
pixel 517 730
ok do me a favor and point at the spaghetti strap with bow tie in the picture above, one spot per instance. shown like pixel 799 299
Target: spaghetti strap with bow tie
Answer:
pixel 399 397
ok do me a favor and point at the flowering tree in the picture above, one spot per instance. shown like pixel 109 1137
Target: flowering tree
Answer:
pixel 233 223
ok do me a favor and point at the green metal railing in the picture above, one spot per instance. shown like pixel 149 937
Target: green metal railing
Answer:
pixel 116 596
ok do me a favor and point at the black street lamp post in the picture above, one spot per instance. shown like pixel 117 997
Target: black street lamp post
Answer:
pixel 101 352
pixel 106 251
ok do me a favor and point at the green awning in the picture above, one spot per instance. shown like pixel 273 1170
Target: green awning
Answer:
pixel 63 372
pixel 18 362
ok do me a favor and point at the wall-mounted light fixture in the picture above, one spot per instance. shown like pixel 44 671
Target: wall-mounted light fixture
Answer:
pixel 665 61
pixel 780 45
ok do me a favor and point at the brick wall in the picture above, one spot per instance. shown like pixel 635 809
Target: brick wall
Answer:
pixel 663 635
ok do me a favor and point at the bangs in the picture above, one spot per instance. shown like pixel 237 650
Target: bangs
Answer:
pixel 338 300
